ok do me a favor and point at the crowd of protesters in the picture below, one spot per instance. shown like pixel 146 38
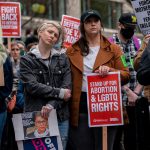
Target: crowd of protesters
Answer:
pixel 40 75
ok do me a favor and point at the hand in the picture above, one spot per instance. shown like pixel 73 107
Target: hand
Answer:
pixel 46 110
pixel 67 94
pixel 146 38
pixel 132 97
pixel 103 70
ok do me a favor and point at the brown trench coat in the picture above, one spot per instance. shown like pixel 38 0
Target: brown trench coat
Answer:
pixel 109 54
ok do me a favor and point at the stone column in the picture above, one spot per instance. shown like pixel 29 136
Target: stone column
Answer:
pixel 73 8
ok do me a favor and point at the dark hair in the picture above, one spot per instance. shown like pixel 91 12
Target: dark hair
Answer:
pixel 37 114
pixel 83 43
pixel 20 42
pixel 14 43
pixel 31 40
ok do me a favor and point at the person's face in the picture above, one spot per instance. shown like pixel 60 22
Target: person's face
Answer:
pixel 92 25
pixel 15 52
pixel 50 35
pixel 41 124
pixel 126 31
pixel 123 26
pixel 21 46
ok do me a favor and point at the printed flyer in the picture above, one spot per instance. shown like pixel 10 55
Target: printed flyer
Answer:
pixel 34 132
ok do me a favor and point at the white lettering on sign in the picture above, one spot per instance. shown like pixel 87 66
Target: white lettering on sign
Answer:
pixel 8 10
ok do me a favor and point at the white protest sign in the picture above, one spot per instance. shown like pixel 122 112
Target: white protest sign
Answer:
pixel 32 131
pixel 142 12
pixel 24 125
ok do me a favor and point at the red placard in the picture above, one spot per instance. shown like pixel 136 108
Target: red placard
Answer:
pixel 104 100
pixel 71 29
pixel 10 16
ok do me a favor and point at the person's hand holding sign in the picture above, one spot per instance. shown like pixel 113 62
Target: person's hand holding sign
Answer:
pixel 103 70
pixel 146 39
pixel 46 110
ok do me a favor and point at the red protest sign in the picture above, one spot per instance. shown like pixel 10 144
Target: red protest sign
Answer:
pixel 10 16
pixel 71 29
pixel 104 100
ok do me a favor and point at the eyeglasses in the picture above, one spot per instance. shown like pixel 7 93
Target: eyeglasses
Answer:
pixel 13 49
pixel 41 122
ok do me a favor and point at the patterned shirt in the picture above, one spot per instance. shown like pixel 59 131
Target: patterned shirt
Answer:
pixel 129 50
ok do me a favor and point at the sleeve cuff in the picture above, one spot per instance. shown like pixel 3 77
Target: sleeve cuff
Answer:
pixel 62 93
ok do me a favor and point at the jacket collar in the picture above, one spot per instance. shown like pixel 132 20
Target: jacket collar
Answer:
pixel 103 56
pixel 104 43
pixel 35 51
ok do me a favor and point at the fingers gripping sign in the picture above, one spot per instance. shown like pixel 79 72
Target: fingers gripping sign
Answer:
pixel 103 70
pixel 46 110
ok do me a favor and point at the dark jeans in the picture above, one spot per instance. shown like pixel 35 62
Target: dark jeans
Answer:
pixel 118 144
pixel 3 116
pixel 143 124
pixel 8 140
pixel 137 132
pixel 130 134
pixel 85 138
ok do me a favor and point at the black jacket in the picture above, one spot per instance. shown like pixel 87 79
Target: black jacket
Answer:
pixel 43 83
pixel 143 73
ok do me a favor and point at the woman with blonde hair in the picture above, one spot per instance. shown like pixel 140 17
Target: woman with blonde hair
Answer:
pixel 46 75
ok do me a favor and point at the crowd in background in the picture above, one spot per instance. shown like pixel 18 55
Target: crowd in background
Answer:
pixel 34 69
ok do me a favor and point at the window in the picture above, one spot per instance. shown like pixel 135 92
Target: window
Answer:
pixel 109 10
pixel 53 8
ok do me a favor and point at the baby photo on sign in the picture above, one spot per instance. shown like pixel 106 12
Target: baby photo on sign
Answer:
pixel 34 125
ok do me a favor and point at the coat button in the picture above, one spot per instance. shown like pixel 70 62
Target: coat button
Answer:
pixel 40 72
pixel 47 83
pixel 59 72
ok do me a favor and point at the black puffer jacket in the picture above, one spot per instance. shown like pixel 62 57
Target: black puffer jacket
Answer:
pixel 45 80
pixel 143 73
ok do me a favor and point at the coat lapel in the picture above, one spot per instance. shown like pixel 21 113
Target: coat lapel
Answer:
pixel 102 58
pixel 104 54
pixel 76 59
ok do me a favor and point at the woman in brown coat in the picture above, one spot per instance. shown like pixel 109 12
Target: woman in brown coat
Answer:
pixel 92 53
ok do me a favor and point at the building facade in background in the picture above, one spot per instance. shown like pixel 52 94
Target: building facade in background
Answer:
pixel 110 11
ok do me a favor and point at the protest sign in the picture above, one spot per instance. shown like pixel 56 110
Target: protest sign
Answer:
pixel 10 15
pixel 142 12
pixel 104 100
pixel 1 41
pixel 24 125
pixel 71 29
pixel 33 131
pixel 1 58
pixel 50 143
